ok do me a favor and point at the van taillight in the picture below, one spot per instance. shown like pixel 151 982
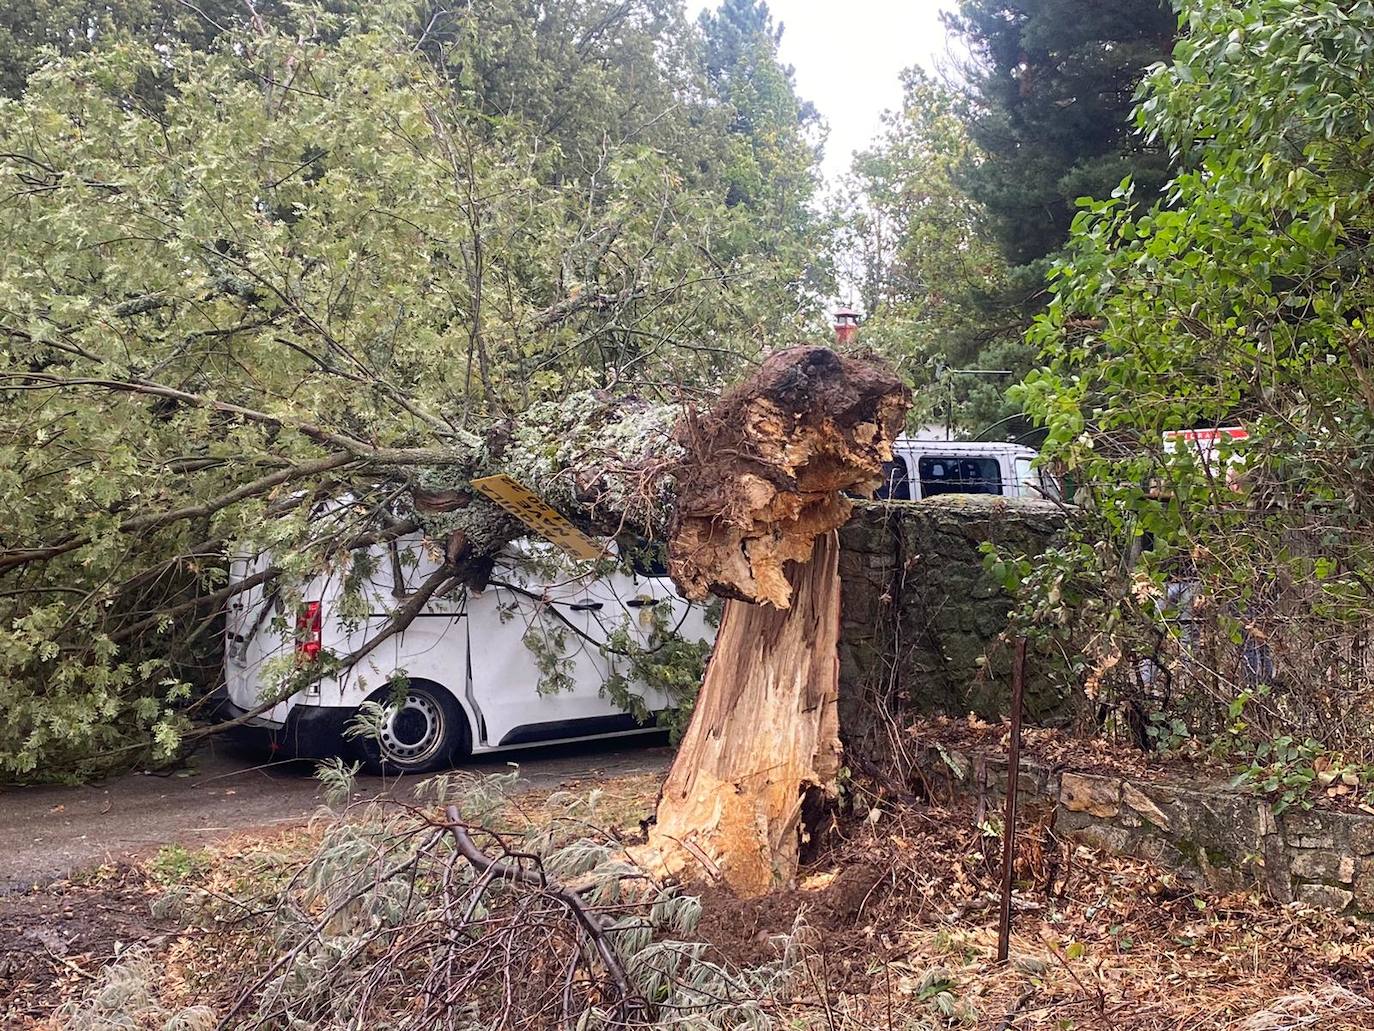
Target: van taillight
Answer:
pixel 308 623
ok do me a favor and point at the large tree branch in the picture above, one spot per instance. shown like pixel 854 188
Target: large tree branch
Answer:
pixel 156 520
pixel 358 448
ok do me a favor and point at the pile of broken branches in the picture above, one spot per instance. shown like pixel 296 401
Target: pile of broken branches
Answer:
pixel 417 916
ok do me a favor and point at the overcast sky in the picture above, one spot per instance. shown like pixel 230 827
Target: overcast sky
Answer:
pixel 847 55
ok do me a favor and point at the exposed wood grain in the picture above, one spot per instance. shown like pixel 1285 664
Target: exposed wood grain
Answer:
pixel 765 733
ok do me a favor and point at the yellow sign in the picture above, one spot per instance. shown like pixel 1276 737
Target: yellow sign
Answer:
pixel 534 512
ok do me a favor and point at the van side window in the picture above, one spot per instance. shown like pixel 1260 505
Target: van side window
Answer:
pixel 953 475
pixel 647 559
pixel 896 485
pixel 1027 482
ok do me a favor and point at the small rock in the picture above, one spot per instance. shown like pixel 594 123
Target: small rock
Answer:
pixel 1144 805
pixel 1098 796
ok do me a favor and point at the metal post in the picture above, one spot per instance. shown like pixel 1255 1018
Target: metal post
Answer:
pixel 1018 684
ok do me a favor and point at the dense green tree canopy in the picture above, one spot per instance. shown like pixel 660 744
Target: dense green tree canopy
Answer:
pixel 1049 86
pixel 960 203
pixel 1244 300
pixel 951 217
pixel 320 259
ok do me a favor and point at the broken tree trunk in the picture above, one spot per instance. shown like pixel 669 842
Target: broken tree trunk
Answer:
pixel 759 499
pixel 764 470
pixel 755 487
pixel 764 738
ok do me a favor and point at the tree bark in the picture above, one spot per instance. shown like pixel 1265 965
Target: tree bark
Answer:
pixel 759 498
pixel 764 739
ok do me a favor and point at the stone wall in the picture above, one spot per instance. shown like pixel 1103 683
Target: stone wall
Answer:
pixel 1210 833
pixel 922 624
pixel 922 618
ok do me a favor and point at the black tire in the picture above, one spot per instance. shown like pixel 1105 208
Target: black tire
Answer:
pixel 426 731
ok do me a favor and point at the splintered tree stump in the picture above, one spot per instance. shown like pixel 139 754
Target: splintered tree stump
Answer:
pixel 765 468
pixel 759 496
pixel 764 735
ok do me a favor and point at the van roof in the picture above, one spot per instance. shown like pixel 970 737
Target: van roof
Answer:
pixel 984 447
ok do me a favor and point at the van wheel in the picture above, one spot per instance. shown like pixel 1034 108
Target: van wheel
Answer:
pixel 425 731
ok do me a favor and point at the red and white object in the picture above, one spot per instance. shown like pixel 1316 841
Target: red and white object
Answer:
pixel 1206 445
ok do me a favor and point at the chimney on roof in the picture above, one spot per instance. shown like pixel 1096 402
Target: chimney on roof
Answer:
pixel 846 326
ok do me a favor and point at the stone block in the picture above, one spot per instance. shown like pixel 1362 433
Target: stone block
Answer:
pixel 990 618
pixel 1312 840
pixel 1364 886
pixel 1159 850
pixel 1324 896
pixel 1312 828
pixel 1266 822
pixel 1106 836
pixel 851 565
pixel 1323 866
pixel 849 666
pixel 860 606
pixel 1083 793
pixel 1066 822
pixel 985 588
pixel 962 650
pixel 1275 875
pixel 881 561
pixel 1362 835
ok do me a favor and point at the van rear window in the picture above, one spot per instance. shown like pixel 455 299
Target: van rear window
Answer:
pixel 954 475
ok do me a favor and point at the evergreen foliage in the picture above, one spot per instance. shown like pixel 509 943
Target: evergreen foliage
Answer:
pixel 1049 89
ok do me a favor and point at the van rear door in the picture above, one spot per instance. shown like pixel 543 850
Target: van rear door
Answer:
pixel 247 609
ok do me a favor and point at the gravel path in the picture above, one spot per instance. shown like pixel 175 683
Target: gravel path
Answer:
pixel 48 833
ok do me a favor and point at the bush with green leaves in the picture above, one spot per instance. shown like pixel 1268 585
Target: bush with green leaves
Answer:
pixel 1241 299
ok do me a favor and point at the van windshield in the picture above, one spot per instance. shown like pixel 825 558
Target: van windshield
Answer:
pixel 949 474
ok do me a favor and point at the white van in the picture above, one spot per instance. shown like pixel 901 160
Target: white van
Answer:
pixel 924 468
pixel 523 662
pixel 472 683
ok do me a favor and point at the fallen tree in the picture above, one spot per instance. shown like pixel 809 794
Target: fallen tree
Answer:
pixel 330 339
pixel 756 488
pixel 377 289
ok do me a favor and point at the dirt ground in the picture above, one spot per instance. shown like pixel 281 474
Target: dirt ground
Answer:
pixel 53 940
pixel 49 833
pixel 898 917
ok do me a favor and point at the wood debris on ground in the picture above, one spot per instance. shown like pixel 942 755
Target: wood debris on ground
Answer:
pixel 900 918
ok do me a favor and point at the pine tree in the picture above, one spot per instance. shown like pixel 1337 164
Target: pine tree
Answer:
pixel 1049 86
pixel 773 168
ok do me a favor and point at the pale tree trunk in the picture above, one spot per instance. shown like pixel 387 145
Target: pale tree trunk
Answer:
pixel 760 496
pixel 764 738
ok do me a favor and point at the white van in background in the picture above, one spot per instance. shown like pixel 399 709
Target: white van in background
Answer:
pixel 471 682
pixel 925 468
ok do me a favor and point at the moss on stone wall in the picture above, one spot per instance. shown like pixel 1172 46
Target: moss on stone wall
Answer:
pixel 923 620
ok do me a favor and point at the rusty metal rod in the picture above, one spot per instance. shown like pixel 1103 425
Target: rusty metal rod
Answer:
pixel 1018 688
